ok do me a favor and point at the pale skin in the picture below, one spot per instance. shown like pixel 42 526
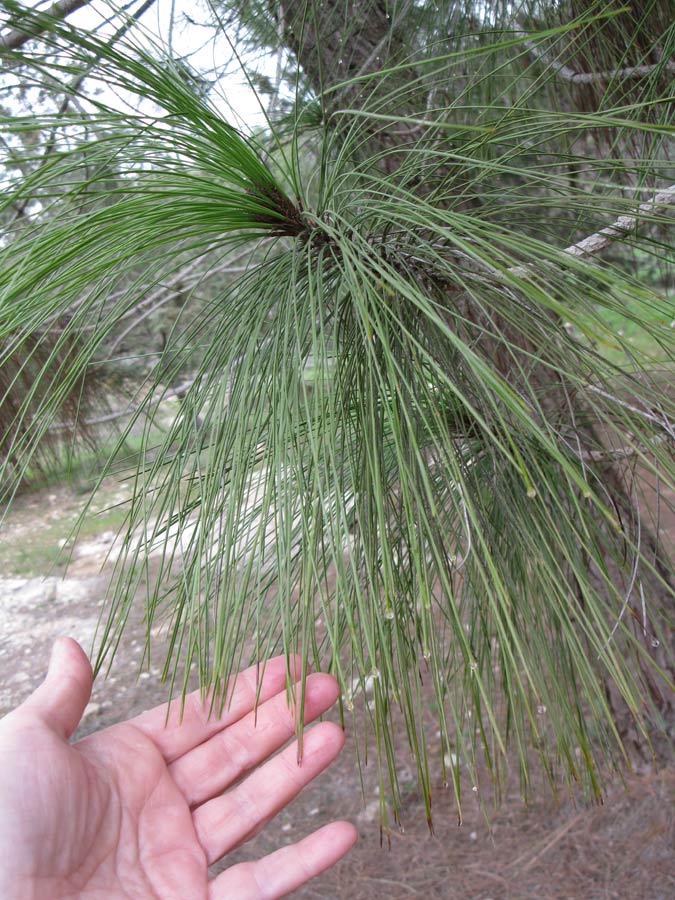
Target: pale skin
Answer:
pixel 138 810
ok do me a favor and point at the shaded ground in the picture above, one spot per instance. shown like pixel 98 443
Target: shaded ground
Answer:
pixel 547 851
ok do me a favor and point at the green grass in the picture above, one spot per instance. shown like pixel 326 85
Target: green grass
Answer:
pixel 31 541
pixel 632 335
pixel 37 548
pixel 37 536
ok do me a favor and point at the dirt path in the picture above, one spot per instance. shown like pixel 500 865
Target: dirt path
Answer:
pixel 622 850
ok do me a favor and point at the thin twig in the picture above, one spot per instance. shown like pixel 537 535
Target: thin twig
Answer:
pixel 568 74
pixel 143 314
pixel 179 391
pixel 187 278
pixel 74 87
pixel 545 846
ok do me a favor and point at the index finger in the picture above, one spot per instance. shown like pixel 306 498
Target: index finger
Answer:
pixel 193 722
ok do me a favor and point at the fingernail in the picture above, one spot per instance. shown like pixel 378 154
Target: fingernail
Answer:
pixel 57 650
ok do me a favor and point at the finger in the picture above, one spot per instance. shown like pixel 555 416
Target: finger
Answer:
pixel 287 869
pixel 219 762
pixel 196 722
pixel 62 697
pixel 227 821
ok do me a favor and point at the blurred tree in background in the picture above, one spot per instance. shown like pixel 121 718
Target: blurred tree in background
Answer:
pixel 421 326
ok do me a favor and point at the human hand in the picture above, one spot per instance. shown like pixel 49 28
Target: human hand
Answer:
pixel 135 810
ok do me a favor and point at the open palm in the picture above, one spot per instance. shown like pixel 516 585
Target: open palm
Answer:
pixel 138 810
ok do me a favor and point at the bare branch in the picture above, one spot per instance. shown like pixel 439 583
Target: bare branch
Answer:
pixel 568 74
pixel 77 82
pixel 15 38
pixel 623 225
pixel 274 96
pixel 185 278
pixel 665 199
pixel 617 453
pixel 127 411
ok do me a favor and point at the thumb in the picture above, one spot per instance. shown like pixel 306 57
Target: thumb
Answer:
pixel 62 697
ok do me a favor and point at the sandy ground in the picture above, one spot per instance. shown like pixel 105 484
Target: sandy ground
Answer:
pixel 549 850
